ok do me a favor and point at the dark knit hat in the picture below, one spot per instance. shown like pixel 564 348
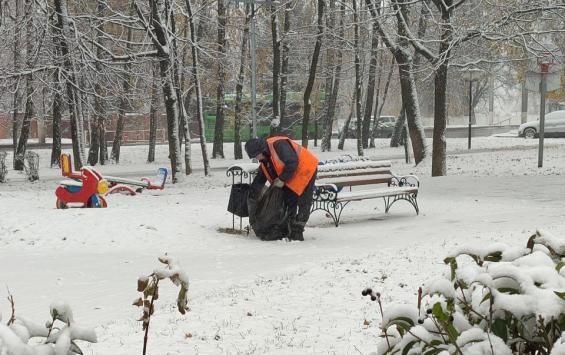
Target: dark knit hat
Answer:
pixel 255 146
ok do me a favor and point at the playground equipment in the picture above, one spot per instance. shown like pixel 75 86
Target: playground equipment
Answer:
pixel 87 187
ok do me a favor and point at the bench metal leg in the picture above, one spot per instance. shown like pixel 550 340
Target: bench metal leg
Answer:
pixel 412 198
pixel 332 209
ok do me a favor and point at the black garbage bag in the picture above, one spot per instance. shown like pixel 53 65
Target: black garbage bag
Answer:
pixel 238 200
pixel 267 214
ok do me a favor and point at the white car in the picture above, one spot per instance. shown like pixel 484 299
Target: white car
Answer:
pixel 385 125
pixel 554 126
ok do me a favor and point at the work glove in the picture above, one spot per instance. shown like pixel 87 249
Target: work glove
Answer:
pixel 278 183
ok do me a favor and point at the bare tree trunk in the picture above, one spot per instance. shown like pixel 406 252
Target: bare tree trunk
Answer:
pixel 406 76
pixel 410 102
pixel 398 129
pixel 153 111
pixel 57 115
pixel 440 114
pixel 178 84
pixel 380 103
pixel 439 167
pixel 196 80
pixel 239 87
pixel 97 131
pixel 327 134
pixel 24 134
pixel 73 100
pixel 369 97
pixel 218 147
pixel 345 128
pixel 276 67
pixel 285 126
pixel 18 64
pixel 26 123
pixel 358 79
pixel 58 103
pixel 161 40
pixel 312 74
pixel 377 118
pixel 124 106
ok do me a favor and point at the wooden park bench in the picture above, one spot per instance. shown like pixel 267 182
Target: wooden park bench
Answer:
pixel 336 179
pixel 335 182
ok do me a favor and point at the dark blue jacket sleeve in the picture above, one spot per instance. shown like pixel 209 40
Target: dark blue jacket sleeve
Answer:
pixel 289 157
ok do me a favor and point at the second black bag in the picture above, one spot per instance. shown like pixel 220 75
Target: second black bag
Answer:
pixel 238 200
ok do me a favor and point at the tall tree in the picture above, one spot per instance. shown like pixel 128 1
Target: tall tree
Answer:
pixel 18 64
pixel 159 30
pixel 57 105
pixel 370 92
pixel 400 50
pixel 285 126
pixel 218 148
pixel 358 79
pixel 312 74
pixel 97 127
pixel 153 112
pixel 328 126
pixel 275 38
pixel 380 102
pixel 71 82
pixel 441 62
pixel 239 86
pixel 124 105
pixel 197 88
pixel 178 81
pixel 29 110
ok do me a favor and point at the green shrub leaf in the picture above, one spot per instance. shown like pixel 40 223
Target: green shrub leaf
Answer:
pixel 560 295
pixel 408 347
pixel 438 312
pixel 500 329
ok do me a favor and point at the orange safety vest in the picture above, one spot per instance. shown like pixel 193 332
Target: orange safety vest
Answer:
pixel 307 165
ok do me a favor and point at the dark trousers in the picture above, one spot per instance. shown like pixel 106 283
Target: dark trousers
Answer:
pixel 298 207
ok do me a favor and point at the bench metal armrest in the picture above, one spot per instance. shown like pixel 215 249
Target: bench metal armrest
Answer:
pixel 325 192
pixel 405 180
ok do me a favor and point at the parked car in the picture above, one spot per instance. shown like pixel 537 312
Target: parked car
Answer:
pixel 384 129
pixel 554 126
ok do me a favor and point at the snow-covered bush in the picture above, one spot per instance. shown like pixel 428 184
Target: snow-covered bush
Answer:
pixel 149 287
pixel 493 300
pixel 60 334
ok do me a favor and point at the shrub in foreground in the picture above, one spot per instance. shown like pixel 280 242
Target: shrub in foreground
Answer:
pixel 493 300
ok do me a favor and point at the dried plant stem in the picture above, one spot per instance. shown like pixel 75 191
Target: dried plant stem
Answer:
pixel 149 317
pixel 13 306
pixel 50 328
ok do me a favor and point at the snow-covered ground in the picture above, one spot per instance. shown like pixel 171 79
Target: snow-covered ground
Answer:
pixel 253 297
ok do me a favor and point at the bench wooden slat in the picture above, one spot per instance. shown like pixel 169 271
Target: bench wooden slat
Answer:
pixel 354 165
pixel 340 173
pixel 356 180
pixel 374 193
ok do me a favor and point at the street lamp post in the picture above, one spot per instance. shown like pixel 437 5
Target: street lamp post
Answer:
pixel 471 75
pixel 544 75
